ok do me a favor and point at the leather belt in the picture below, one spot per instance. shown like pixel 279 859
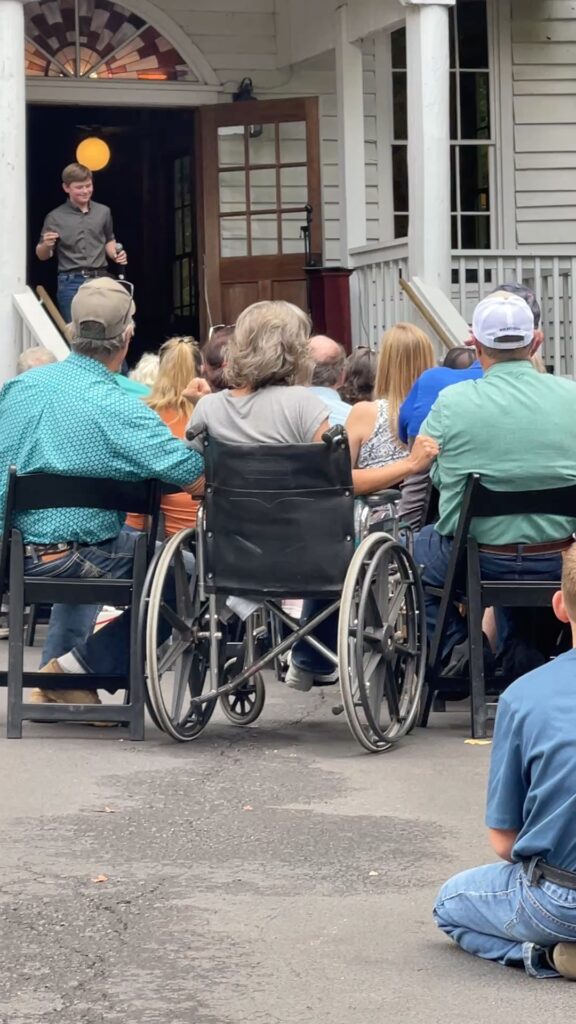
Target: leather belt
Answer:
pixel 83 273
pixel 536 868
pixel 551 547
pixel 48 552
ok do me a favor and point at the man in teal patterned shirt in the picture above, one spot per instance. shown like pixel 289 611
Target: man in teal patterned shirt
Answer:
pixel 73 418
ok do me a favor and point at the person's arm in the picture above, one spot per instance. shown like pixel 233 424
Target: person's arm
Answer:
pixel 321 430
pixel 360 426
pixel 502 841
pixel 367 481
pixel 113 256
pixel 151 451
pixel 47 243
pixel 508 782
pixel 433 427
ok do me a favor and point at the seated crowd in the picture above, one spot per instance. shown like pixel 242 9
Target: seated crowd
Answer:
pixel 266 381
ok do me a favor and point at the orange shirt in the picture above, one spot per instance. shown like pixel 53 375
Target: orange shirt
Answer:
pixel 179 510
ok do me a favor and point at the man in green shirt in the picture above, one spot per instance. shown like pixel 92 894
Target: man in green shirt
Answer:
pixel 517 428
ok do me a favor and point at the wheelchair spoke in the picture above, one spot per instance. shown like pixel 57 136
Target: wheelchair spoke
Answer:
pixel 170 653
pixel 397 601
pixel 182 584
pixel 175 621
pixel 181 679
pixel 410 652
pixel 391 691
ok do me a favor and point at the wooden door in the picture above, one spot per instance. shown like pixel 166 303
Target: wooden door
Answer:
pixel 260 168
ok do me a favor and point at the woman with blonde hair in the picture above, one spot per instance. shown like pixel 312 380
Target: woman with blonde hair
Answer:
pixel 179 361
pixel 372 427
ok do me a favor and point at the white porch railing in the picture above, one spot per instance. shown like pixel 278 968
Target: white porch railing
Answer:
pixel 552 278
pixel 378 301
pixel 34 326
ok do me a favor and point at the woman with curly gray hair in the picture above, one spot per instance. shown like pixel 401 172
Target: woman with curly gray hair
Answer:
pixel 267 369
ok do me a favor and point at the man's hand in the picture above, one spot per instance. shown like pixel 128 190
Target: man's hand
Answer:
pixel 424 451
pixel 121 257
pixel 49 239
pixel 196 389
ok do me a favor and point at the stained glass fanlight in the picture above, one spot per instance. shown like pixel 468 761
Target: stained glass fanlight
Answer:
pixel 97 39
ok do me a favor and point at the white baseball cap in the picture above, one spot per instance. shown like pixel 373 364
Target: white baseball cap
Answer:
pixel 503 321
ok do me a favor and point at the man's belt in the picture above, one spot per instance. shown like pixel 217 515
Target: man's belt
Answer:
pixel 84 273
pixel 536 868
pixel 48 552
pixel 551 547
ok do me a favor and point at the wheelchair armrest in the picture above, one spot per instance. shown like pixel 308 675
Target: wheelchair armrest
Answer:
pixel 380 498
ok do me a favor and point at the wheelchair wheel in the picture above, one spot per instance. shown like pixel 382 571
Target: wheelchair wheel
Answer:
pixel 244 705
pixel 177 642
pixel 381 643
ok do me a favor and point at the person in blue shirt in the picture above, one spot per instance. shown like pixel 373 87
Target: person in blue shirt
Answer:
pixel 522 912
pixel 329 359
pixel 73 418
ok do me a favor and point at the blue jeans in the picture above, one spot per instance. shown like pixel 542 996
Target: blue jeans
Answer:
pixel 68 285
pixel 432 551
pixel 495 913
pixel 70 624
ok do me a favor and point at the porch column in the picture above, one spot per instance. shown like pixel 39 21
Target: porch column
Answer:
pixel 428 62
pixel 12 177
pixel 351 163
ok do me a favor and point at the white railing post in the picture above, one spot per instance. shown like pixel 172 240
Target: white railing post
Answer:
pixel 351 162
pixel 12 177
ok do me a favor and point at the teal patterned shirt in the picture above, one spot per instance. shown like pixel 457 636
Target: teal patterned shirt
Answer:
pixel 73 418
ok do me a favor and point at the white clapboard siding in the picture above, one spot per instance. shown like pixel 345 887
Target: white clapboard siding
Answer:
pixel 544 84
pixel 238 39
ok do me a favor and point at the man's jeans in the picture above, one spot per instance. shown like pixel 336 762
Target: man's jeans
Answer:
pixel 494 913
pixel 432 552
pixel 68 285
pixel 71 624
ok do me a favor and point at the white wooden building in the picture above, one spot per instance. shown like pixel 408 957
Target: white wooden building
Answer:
pixel 447 141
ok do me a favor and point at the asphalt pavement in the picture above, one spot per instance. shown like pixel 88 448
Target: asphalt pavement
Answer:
pixel 268 875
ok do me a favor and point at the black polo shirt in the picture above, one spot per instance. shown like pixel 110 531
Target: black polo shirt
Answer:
pixel 82 236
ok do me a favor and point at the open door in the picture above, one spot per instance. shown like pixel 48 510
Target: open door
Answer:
pixel 260 169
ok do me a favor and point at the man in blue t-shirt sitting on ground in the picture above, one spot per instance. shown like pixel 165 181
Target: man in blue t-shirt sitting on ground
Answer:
pixel 523 912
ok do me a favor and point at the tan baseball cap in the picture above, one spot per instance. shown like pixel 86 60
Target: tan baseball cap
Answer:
pixel 101 309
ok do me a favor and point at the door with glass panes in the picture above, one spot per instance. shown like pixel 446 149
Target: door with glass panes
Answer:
pixel 260 167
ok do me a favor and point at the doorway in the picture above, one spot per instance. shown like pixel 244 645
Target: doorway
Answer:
pixel 149 184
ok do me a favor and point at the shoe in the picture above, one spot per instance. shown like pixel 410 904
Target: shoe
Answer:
pixel 563 957
pixel 456 663
pixel 298 678
pixel 38 696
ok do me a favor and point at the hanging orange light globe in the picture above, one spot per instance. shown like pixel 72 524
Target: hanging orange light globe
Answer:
pixel 94 153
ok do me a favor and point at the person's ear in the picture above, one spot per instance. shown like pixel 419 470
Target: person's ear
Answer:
pixel 66 188
pixel 559 607
pixel 537 342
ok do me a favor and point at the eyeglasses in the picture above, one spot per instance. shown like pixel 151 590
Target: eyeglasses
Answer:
pixel 215 328
pixel 129 286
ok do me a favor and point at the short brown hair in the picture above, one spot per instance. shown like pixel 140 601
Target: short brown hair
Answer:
pixel 569 581
pixel 269 346
pixel 76 173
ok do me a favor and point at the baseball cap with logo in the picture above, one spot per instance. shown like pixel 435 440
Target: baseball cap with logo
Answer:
pixel 503 321
pixel 101 309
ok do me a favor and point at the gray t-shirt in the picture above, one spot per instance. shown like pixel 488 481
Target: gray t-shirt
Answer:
pixel 82 236
pixel 272 415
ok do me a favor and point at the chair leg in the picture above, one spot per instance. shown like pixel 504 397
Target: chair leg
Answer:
pixel 478 709
pixel 15 642
pixel 426 707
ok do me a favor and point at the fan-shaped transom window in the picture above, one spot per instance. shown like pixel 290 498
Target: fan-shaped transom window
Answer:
pixel 97 39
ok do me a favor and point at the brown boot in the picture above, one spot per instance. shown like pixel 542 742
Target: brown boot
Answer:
pixel 66 696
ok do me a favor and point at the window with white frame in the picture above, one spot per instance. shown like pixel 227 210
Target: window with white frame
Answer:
pixel 471 128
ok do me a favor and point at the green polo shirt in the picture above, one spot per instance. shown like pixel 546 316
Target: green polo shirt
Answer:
pixel 517 428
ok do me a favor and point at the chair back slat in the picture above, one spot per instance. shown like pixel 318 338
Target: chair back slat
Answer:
pixel 556 501
pixel 36 491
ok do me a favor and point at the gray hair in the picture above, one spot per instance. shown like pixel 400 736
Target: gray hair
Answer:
pixel 146 369
pixel 328 373
pixel 97 347
pixel 30 358
pixel 269 346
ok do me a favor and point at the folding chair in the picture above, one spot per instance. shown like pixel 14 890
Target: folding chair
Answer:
pixel 47 491
pixel 464 583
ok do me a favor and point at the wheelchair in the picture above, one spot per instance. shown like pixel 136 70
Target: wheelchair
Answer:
pixel 277 525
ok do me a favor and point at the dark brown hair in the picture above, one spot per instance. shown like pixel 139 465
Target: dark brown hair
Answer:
pixel 359 376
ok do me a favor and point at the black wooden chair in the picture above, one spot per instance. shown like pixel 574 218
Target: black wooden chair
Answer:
pixel 464 584
pixel 46 491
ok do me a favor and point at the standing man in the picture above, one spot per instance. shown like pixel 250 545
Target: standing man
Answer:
pixel 82 234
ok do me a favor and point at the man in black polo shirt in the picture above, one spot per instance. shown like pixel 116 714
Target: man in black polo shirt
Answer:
pixel 81 233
